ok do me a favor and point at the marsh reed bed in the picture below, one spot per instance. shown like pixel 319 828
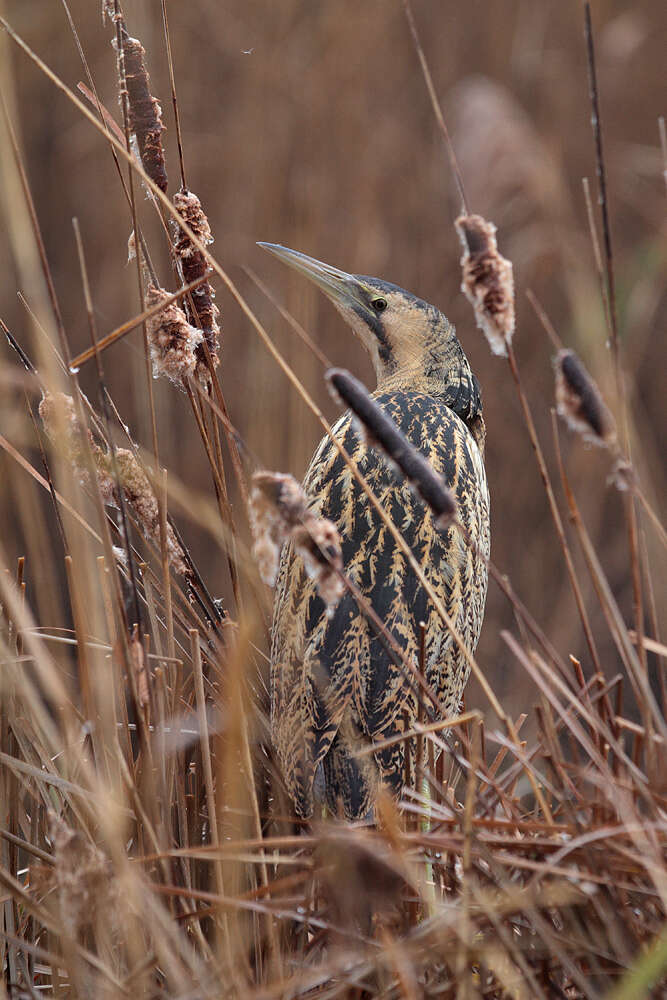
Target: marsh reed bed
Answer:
pixel 148 847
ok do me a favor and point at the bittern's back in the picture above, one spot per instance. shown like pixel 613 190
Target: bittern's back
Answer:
pixel 336 685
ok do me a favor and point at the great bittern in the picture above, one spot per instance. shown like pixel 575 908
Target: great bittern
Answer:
pixel 335 684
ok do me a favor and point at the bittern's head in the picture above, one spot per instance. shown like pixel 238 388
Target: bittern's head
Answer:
pixel 412 344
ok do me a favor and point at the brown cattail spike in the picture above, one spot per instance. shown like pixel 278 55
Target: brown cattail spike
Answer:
pixel 173 341
pixel 145 112
pixel 63 428
pixel 138 492
pixel 383 432
pixel 318 544
pixel 488 283
pixel 579 401
pixel 277 506
pixel 279 513
pixel 194 266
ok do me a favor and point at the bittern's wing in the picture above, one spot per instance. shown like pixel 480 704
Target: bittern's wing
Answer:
pixel 334 681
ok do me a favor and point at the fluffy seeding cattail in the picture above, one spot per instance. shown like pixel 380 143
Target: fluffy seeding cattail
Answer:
pixel 139 494
pixel 488 283
pixel 194 266
pixel 278 507
pixel 62 426
pixel 173 341
pixel 201 311
pixel 579 401
pixel 145 112
pixel 83 878
pixel 381 430
pixel 318 543
pixel 279 513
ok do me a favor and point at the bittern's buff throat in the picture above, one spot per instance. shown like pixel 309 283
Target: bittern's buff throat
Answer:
pixel 336 686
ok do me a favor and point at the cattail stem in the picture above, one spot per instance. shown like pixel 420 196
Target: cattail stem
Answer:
pixel 553 507
pixel 629 502
pixel 174 101
pixel 121 35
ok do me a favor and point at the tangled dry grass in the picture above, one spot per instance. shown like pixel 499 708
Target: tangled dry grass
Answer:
pixel 147 845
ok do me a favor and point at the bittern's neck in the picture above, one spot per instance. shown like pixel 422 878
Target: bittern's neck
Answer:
pixel 445 374
pixel 408 379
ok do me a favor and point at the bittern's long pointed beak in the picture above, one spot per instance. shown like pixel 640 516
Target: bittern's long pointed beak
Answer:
pixel 345 290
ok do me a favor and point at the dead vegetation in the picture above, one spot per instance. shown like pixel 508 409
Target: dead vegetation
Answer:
pixel 147 845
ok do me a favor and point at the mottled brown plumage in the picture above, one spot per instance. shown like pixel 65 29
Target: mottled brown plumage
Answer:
pixel 334 684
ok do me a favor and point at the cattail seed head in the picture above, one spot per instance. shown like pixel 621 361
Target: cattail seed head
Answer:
pixel 58 413
pixel 194 266
pixel 138 663
pixel 62 426
pixel 318 544
pixel 579 401
pixel 623 475
pixel 131 247
pixel 488 282
pixel 283 496
pixel 173 341
pixel 138 492
pixel 279 513
pixel 189 206
pixel 145 112
pixel 277 506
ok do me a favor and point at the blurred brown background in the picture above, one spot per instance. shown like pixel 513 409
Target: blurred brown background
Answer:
pixel 308 124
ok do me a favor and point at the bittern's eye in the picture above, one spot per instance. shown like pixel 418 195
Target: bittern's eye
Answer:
pixel 379 305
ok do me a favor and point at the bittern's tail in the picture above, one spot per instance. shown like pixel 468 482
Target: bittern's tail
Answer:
pixel 350 782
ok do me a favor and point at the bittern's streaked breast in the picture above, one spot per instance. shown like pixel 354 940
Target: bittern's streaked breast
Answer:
pixel 335 686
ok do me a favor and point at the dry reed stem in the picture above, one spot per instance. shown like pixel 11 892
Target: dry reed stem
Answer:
pixel 553 507
pixel 612 318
